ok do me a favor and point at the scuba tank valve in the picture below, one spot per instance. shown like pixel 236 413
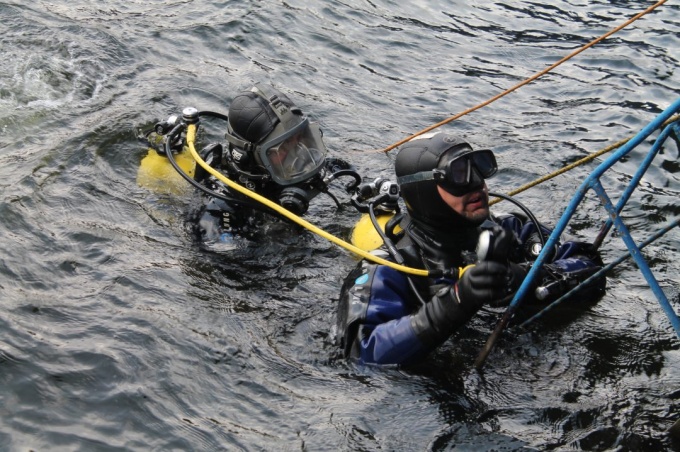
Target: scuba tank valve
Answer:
pixel 383 196
pixel 155 172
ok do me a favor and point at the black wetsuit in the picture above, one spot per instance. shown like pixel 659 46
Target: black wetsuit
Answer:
pixel 381 321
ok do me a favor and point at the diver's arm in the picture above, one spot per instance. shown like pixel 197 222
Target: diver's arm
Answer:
pixel 373 316
pixel 380 326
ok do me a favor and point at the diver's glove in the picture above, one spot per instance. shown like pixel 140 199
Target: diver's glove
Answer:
pixel 454 305
pixel 514 278
pixel 498 244
pixel 497 283
pixel 443 315
pixel 488 282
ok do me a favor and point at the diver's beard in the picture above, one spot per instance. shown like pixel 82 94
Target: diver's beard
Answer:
pixel 481 212
pixel 476 217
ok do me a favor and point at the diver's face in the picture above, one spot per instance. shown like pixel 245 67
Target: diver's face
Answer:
pixel 279 156
pixel 473 206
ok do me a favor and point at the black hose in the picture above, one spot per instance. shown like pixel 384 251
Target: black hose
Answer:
pixel 168 152
pixel 333 197
pixel 394 252
pixel 528 213
pixel 214 115
pixel 346 172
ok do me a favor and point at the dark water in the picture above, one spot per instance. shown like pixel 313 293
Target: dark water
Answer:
pixel 118 332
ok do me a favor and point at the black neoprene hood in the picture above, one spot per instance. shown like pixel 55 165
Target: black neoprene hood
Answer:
pixel 252 118
pixel 422 198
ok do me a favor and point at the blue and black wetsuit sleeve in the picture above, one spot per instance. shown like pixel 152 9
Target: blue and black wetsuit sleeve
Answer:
pixel 380 323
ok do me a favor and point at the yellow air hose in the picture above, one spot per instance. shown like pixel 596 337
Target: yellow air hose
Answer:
pixel 191 138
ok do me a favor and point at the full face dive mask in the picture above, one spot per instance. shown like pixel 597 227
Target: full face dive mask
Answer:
pixel 293 151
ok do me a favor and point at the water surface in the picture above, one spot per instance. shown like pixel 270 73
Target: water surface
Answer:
pixel 119 332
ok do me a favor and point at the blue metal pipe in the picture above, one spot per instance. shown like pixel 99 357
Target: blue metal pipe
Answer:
pixel 632 185
pixel 639 258
pixel 593 182
pixel 599 274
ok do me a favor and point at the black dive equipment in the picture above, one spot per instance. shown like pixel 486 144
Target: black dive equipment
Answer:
pixel 168 139
pixel 383 195
pixel 462 174
pixel 269 133
pixel 555 283
pixel 486 247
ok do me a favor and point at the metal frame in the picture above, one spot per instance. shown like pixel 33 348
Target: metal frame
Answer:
pixel 593 182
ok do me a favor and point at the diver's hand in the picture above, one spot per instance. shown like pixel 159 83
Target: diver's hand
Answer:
pixel 497 244
pixel 514 277
pixel 485 283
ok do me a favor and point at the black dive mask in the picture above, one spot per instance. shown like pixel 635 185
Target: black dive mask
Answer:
pixel 460 175
pixel 294 155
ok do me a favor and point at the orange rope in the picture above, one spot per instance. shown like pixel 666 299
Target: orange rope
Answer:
pixel 529 80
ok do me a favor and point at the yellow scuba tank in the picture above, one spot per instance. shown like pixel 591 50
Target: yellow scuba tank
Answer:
pixel 157 174
pixel 364 235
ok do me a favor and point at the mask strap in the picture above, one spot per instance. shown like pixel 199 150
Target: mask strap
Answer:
pixel 239 143
pixel 435 175
pixel 280 109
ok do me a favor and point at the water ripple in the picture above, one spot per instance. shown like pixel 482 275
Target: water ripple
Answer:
pixel 119 332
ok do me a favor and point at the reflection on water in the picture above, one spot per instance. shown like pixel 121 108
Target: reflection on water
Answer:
pixel 119 332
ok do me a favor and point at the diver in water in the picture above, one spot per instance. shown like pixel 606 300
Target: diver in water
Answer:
pixel 388 317
pixel 273 149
